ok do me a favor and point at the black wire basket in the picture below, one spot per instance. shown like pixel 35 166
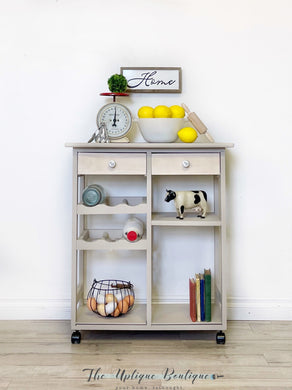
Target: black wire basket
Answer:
pixel 110 297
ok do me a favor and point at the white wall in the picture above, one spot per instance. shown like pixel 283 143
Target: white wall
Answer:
pixel 56 56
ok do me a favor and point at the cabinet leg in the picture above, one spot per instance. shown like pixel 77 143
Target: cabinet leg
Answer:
pixel 76 337
pixel 220 337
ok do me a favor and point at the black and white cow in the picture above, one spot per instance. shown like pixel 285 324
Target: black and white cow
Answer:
pixel 183 200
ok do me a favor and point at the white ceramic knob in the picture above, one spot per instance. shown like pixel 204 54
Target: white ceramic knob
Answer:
pixel 186 163
pixel 112 163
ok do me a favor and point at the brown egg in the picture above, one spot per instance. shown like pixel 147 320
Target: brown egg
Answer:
pixel 110 298
pixel 130 299
pixel 116 313
pixel 101 309
pixel 123 306
pixel 91 304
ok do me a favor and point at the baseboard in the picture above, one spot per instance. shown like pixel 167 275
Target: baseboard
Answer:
pixel 239 309
pixel 35 309
pixel 242 309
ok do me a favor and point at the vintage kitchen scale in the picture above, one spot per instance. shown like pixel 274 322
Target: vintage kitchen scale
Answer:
pixel 113 120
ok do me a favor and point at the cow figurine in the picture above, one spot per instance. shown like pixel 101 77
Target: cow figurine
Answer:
pixel 183 200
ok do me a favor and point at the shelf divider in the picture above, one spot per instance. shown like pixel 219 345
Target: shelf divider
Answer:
pixel 108 241
pixel 169 219
pixel 116 205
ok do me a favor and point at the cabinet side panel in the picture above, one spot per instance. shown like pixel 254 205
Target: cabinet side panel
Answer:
pixel 74 236
pixel 223 251
pixel 149 238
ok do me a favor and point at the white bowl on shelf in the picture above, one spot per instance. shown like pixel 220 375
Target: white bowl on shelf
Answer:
pixel 160 129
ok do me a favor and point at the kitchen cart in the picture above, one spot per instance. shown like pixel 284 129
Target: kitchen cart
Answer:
pixel 135 177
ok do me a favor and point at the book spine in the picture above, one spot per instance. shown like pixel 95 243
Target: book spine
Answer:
pixel 202 297
pixel 198 297
pixel 207 275
pixel 192 292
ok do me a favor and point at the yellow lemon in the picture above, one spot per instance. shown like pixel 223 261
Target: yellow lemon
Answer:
pixel 146 112
pixel 162 112
pixel 187 134
pixel 177 111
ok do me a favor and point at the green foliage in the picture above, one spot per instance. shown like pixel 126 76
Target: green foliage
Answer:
pixel 117 83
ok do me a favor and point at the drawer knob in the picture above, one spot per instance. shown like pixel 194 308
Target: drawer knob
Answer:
pixel 186 163
pixel 112 163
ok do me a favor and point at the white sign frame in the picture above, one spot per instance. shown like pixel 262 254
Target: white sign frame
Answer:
pixel 153 80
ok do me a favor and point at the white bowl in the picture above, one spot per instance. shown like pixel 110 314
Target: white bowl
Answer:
pixel 160 129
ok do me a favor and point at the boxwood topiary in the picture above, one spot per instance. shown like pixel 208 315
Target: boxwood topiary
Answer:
pixel 117 83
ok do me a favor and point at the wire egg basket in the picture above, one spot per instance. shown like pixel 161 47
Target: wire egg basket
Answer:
pixel 110 297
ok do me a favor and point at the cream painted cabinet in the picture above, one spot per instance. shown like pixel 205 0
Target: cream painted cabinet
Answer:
pixel 135 178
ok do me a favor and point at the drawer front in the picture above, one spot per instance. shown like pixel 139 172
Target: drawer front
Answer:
pixel 111 164
pixel 186 164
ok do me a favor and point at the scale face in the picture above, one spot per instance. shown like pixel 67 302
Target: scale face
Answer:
pixel 117 118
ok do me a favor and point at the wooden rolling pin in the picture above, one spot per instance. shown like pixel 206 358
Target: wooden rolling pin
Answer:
pixel 197 123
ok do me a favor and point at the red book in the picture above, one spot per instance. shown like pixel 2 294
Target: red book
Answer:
pixel 193 306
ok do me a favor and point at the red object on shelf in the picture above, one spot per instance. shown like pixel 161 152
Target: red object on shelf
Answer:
pixel 114 94
pixel 193 306
pixel 132 236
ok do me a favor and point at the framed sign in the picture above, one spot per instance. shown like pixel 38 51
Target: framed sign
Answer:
pixel 158 80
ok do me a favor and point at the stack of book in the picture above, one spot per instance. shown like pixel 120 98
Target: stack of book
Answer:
pixel 200 297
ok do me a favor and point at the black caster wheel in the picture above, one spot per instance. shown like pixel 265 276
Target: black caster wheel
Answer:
pixel 220 337
pixel 76 337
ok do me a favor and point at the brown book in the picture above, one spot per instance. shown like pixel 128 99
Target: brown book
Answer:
pixel 193 306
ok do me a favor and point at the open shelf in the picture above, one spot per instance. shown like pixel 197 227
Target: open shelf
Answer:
pixel 116 205
pixel 113 239
pixel 169 219
pixel 136 316
pixel 179 314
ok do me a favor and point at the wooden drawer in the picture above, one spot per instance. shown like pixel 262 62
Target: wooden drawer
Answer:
pixel 186 164
pixel 111 164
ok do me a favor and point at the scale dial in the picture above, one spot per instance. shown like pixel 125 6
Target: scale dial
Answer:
pixel 117 118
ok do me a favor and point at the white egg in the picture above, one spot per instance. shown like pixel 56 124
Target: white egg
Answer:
pixel 119 295
pixel 110 307
pixel 100 298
